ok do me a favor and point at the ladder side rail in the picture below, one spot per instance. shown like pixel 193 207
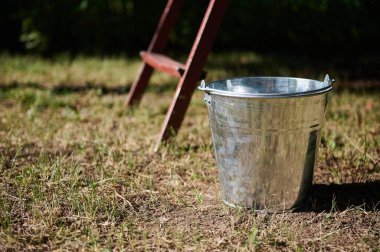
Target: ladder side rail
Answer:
pixel 194 66
pixel 157 44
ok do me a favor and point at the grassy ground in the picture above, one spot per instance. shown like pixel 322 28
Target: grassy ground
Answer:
pixel 77 172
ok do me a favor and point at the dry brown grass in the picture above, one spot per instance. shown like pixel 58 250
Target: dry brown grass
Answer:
pixel 76 172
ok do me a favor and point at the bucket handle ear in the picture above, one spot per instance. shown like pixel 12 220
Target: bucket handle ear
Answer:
pixel 202 86
pixel 328 81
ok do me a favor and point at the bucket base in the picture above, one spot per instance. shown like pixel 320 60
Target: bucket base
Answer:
pixel 271 211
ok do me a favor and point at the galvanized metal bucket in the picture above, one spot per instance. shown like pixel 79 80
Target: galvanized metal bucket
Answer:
pixel 266 132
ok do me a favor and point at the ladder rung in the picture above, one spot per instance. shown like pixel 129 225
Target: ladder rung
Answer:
pixel 163 63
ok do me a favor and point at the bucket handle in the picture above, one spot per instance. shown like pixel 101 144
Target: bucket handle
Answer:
pixel 203 86
pixel 328 81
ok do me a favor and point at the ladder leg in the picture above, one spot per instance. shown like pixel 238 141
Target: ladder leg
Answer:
pixel 157 44
pixel 139 86
pixel 194 65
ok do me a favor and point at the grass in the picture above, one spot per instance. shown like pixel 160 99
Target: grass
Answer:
pixel 78 172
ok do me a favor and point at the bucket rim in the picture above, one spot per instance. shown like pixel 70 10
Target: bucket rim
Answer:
pixel 328 87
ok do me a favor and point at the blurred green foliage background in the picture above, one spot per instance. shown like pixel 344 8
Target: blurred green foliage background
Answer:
pixel 317 27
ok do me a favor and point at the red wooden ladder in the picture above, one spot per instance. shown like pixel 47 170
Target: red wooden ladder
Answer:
pixel 188 74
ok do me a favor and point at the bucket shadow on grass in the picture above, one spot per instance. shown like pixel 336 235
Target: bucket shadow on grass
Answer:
pixel 335 197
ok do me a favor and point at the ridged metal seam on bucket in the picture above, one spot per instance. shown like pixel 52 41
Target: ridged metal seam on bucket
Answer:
pixel 265 144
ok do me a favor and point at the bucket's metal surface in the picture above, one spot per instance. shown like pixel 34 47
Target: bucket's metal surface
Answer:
pixel 266 132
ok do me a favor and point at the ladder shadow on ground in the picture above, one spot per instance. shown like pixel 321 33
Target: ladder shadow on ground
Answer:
pixel 103 89
pixel 340 197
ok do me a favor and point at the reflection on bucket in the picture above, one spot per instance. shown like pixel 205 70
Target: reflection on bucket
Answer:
pixel 266 132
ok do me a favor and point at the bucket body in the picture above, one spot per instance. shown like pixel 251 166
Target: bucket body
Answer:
pixel 266 132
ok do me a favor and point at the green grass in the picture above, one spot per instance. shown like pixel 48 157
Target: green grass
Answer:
pixel 78 172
